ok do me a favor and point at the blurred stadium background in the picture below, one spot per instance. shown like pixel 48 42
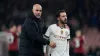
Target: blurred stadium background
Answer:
pixel 82 14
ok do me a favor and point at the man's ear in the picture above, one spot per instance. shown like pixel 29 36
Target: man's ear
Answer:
pixel 58 18
pixel 32 10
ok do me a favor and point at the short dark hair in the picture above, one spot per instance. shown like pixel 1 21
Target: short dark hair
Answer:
pixel 58 13
pixel 10 24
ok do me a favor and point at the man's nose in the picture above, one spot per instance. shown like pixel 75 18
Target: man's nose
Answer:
pixel 38 11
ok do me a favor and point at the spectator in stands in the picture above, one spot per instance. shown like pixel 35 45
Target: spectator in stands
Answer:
pixel 79 40
pixel 3 28
pixel 13 45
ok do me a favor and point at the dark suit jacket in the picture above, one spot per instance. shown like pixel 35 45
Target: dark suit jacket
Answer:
pixel 31 38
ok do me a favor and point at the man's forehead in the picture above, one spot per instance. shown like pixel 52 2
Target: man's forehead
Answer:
pixel 63 13
pixel 37 6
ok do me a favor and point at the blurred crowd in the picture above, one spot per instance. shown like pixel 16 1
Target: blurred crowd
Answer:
pixel 10 32
pixel 82 14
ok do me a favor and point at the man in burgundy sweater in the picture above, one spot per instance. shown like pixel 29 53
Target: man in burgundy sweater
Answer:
pixel 79 41
pixel 13 41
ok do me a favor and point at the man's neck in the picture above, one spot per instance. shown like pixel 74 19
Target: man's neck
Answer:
pixel 61 25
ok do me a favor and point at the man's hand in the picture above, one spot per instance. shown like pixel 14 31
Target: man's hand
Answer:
pixel 52 44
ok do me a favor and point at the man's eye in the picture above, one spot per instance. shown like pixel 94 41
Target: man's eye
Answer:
pixel 39 10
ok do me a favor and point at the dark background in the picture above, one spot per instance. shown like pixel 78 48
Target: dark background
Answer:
pixel 82 14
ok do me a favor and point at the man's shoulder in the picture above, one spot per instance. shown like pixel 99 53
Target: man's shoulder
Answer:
pixel 27 20
pixel 67 27
pixel 27 23
pixel 52 25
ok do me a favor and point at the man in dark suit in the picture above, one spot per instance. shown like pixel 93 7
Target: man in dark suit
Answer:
pixel 31 38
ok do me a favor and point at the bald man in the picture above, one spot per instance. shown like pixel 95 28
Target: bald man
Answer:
pixel 31 38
